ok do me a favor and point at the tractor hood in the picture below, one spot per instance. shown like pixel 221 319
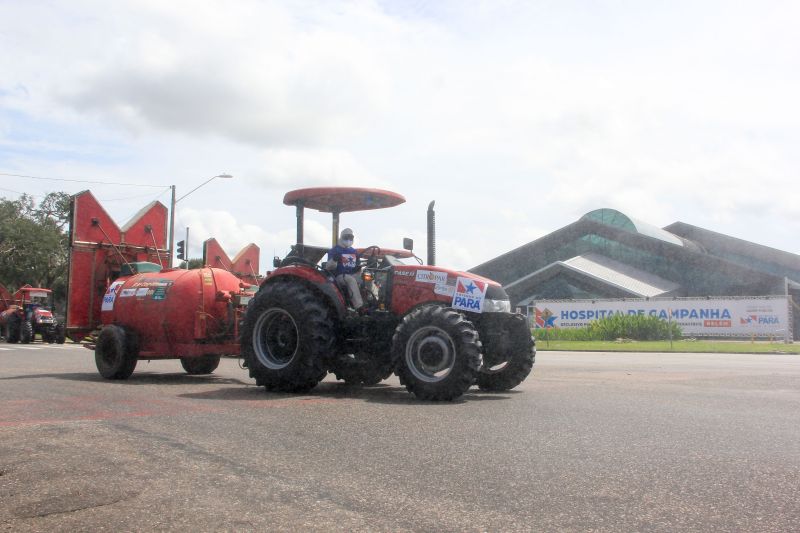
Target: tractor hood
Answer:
pixel 43 316
pixel 464 291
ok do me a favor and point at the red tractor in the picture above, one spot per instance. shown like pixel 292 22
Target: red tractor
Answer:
pixel 439 330
pixel 29 312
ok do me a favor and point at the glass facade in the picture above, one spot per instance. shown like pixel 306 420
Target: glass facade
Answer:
pixel 610 233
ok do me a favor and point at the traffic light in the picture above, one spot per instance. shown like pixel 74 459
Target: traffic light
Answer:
pixel 181 251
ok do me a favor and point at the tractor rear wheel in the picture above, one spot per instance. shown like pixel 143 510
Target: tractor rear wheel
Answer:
pixel 438 353
pixel 12 329
pixel 286 337
pixel 116 353
pixel 507 365
pixel 205 364
pixel 61 335
pixel 26 332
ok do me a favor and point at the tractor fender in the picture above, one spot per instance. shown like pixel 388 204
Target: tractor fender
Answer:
pixel 313 279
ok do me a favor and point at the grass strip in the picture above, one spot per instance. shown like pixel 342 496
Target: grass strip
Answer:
pixel 686 346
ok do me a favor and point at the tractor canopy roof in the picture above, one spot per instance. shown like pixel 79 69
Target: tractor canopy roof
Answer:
pixel 34 291
pixel 342 199
pixel 381 252
pixel 27 294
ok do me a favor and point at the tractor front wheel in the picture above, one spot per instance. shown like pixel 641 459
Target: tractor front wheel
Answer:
pixel 200 365
pixel 26 332
pixel 116 353
pixel 287 337
pixel 438 353
pixel 508 355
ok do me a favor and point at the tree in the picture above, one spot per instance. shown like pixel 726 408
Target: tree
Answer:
pixel 193 263
pixel 34 242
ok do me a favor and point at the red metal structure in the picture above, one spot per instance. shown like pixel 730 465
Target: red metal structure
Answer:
pixel 439 330
pixel 98 251
pixel 244 265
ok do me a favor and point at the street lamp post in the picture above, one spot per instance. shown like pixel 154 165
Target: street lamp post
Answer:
pixel 172 214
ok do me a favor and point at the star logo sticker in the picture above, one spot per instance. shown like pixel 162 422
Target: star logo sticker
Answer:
pixel 471 288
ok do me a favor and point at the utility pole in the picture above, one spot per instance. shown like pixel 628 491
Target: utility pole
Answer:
pixel 187 247
pixel 172 213
pixel 171 227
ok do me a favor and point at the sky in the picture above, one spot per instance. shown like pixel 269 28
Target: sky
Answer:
pixel 515 117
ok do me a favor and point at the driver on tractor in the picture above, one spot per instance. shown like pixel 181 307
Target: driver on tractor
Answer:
pixel 343 262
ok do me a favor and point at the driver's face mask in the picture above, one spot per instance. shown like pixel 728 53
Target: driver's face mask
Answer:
pixel 347 242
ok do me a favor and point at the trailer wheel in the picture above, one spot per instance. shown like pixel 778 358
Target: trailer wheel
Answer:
pixel 438 353
pixel 286 336
pixel 116 353
pixel 26 332
pixel 205 364
pixel 508 366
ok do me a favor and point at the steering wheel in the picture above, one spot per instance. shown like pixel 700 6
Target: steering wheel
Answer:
pixel 371 254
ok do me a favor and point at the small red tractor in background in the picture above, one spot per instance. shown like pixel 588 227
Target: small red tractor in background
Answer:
pixel 28 312
pixel 439 330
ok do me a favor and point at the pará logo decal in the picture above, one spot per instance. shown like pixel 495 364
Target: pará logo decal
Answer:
pixel 110 296
pixel 469 295
pixel 349 260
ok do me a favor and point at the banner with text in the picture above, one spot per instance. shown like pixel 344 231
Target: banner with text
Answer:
pixel 765 316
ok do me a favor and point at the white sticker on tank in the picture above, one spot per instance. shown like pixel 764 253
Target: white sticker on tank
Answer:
pixel 141 292
pixel 127 293
pixel 110 296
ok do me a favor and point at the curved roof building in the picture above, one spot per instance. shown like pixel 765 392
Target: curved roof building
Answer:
pixel 606 254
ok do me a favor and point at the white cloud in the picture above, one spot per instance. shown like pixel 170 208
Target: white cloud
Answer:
pixel 232 235
pixel 284 167
pixel 250 72
pixel 516 117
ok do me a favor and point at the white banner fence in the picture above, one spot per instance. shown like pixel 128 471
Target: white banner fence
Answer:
pixel 746 316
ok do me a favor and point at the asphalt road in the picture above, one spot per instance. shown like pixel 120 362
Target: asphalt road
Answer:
pixel 603 442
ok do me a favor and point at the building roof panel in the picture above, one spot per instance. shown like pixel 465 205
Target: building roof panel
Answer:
pixel 621 275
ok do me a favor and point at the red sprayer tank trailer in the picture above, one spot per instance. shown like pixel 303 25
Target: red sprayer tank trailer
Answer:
pixel 439 330
pixel 132 307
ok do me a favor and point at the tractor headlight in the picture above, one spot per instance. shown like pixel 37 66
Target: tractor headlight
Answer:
pixel 496 306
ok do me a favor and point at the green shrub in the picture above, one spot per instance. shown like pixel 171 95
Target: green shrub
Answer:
pixel 636 327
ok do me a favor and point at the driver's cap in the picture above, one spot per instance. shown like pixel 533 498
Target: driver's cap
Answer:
pixel 346 233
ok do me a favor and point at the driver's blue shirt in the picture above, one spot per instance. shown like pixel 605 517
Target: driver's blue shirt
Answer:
pixel 346 259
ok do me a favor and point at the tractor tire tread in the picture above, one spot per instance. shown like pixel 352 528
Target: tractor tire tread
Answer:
pixel 316 342
pixel 468 352
pixel 519 363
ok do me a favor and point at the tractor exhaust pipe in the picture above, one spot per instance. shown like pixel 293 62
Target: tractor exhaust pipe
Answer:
pixel 431 234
